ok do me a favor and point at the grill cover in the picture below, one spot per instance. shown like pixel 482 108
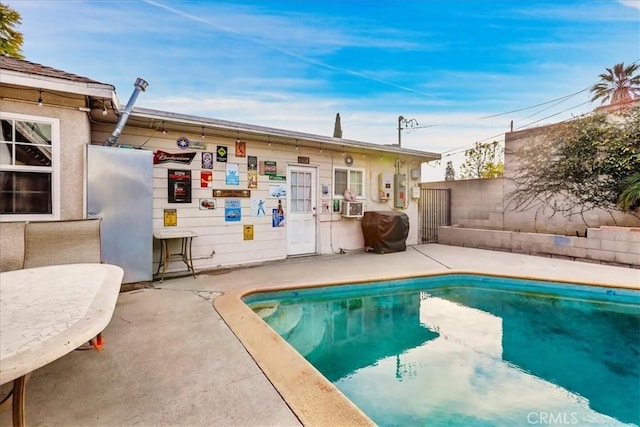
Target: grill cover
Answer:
pixel 385 231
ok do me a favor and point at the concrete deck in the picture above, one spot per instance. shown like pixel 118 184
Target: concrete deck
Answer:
pixel 171 360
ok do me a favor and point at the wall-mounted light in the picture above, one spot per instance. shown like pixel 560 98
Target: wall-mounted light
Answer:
pixel 202 135
pixel 40 102
pixel 163 129
pixel 297 148
pixel 104 108
pixel 269 141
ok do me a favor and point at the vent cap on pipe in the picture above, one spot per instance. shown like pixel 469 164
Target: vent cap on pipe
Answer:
pixel 140 85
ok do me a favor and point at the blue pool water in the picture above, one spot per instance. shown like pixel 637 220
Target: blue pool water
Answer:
pixel 470 350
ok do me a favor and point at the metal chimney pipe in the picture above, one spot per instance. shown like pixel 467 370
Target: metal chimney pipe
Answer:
pixel 140 85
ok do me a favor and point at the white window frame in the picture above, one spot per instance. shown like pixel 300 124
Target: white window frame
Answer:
pixel 55 169
pixel 362 196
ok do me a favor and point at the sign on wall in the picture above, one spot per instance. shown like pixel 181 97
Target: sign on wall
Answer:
pixel 232 175
pixel 170 217
pixel 160 156
pixel 206 179
pixel 179 188
pixel 248 232
pixel 207 204
pixel 232 210
pixel 268 167
pixel 241 148
pixel 277 191
pixel 258 206
pixel 221 154
pixel 207 160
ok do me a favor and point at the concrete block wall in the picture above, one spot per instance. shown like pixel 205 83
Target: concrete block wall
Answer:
pixel 475 203
pixel 482 203
pixel 605 245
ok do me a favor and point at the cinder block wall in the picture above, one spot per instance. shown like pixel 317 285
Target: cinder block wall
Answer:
pixel 475 203
pixel 483 203
pixel 605 245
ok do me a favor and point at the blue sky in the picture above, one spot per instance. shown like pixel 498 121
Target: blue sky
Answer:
pixel 294 64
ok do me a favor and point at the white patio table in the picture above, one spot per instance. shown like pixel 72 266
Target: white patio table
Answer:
pixel 47 312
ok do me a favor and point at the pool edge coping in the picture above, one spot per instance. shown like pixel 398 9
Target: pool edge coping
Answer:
pixel 313 399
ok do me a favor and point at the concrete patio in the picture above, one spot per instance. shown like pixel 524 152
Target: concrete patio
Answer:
pixel 170 359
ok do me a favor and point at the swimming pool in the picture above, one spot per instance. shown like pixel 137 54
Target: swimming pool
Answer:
pixel 462 349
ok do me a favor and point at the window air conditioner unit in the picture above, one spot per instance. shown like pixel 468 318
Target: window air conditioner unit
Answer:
pixel 352 209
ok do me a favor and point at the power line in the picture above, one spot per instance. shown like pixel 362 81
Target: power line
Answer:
pixel 552 115
pixel 562 98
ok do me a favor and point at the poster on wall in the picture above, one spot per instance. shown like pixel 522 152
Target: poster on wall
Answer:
pixel 179 188
pixel 207 204
pixel 232 175
pixel 277 217
pixel 257 206
pixel 170 217
pixel 207 160
pixel 277 191
pixel 252 179
pixel 206 179
pixel 232 210
pixel 248 232
pixel 269 168
pixel 241 148
pixel 221 154
pixel 252 163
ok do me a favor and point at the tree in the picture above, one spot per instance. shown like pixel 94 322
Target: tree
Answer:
pixel 483 161
pixel 581 165
pixel 629 199
pixel 337 127
pixel 618 84
pixel 10 39
pixel 450 172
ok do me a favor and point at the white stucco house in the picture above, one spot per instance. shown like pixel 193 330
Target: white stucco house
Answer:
pixel 250 193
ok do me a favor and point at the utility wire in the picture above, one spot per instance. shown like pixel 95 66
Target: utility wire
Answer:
pixel 466 147
pixel 540 111
pixel 562 98
pixel 552 115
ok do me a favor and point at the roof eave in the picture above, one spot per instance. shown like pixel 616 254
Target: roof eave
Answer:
pixel 51 83
pixel 279 133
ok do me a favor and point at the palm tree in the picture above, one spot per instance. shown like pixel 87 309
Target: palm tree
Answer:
pixel 629 198
pixel 618 84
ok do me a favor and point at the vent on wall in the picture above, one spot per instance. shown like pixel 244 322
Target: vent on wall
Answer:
pixel 352 209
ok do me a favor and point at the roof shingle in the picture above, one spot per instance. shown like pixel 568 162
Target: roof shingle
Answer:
pixel 28 67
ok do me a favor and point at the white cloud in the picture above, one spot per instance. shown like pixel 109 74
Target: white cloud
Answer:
pixel 631 3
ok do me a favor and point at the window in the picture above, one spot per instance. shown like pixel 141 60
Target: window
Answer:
pixel 348 178
pixel 29 167
pixel 301 192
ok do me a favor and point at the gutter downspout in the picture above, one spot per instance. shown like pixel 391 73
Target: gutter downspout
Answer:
pixel 140 86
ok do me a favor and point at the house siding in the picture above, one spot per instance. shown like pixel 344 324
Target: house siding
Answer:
pixel 221 243
pixel 74 135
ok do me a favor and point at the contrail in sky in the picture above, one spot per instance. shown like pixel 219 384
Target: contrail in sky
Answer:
pixel 282 51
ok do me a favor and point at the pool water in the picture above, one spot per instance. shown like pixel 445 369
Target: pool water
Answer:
pixel 470 350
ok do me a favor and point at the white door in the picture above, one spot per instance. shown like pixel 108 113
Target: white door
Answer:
pixel 301 210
